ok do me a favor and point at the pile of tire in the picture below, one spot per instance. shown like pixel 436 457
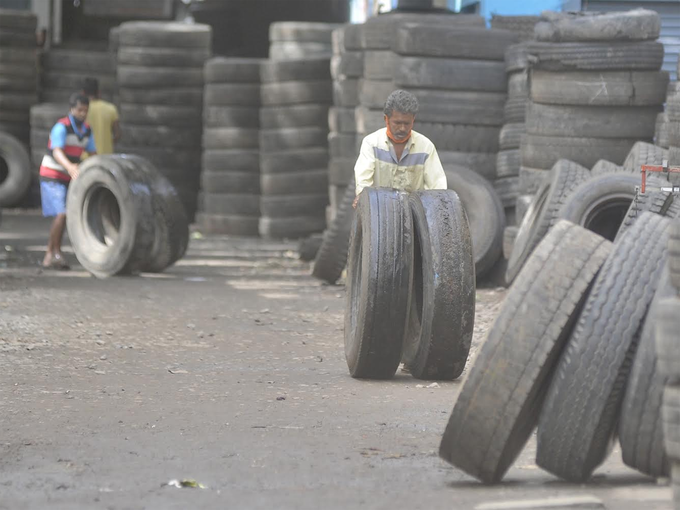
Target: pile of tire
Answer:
pixel 666 314
pixel 572 354
pixel 296 95
pixel 124 217
pixel 63 72
pixel 523 26
pixel 667 133
pixel 419 308
pixel 18 71
pixel 230 176
pixel 577 56
pixel 160 80
pixel 299 39
pixel 15 171
pixel 43 118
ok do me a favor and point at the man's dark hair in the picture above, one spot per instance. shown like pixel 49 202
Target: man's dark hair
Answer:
pixel 91 86
pixel 402 102
pixel 78 98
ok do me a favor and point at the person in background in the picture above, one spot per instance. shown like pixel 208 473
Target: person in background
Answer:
pixel 103 117
pixel 69 138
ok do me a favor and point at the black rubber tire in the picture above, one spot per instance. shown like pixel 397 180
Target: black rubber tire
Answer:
pixel 287 50
pixel 596 56
pixel 17 161
pixel 231 116
pixel 296 70
pixel 499 403
pixel 294 205
pixel 230 138
pixel 379 65
pixel 475 43
pixel 509 235
pixel 18 20
pixel 674 255
pixel 142 77
pixel 378 294
pixel 348 65
pixel 342 120
pixel 450 74
pixel 159 34
pixel 293 160
pixel 296 92
pixel 515 110
pixel 232 94
pixel 623 88
pixel 227 225
pixel 154 115
pixel 346 92
pixel 232 70
pixel 644 154
pixel 230 182
pixel 341 171
pixel 540 151
pixel 523 26
pixel 303 115
pixel 640 430
pixel 20 101
pixel 485 215
pixel 481 163
pixel 18 55
pixel 671 429
pixel 160 136
pixel 14 38
pixel 510 136
pixel 309 247
pixel 603 166
pixel 518 85
pixel 441 320
pixel 517 58
pixel 231 160
pixel 282 139
pixel 231 204
pixel 302 31
pixel 635 25
pixel 108 203
pixel 331 259
pixel 460 137
pixel 507 163
pixel 596 121
pixel 578 420
pixel 507 189
pixel 667 323
pixel 521 207
pixel 191 96
pixel 160 57
pixel 667 132
pixel 164 157
pixel 659 202
pixel 343 145
pixel 542 214
pixel 17 84
pixel 601 203
pixel 310 182
pixel 291 228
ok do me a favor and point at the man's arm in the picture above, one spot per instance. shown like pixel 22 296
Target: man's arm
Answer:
pixel 435 178
pixel 364 169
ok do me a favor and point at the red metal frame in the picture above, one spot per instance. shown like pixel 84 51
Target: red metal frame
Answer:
pixel 656 168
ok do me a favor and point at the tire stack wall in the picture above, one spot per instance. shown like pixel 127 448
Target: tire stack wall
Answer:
pixel 523 26
pixel 230 176
pixel 160 77
pixel 667 132
pixel 296 94
pixel 63 72
pixel 18 72
pixel 346 71
pixel 595 89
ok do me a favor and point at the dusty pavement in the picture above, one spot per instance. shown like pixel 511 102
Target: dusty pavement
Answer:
pixel 228 369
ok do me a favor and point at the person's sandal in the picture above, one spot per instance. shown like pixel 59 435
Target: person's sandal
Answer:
pixel 59 262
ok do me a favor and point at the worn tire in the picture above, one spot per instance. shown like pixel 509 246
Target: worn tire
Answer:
pixel 158 34
pixel 674 255
pixel 291 228
pixel 658 202
pixel 342 120
pixel 274 140
pixel 542 214
pixel 302 31
pixel 231 116
pixel 507 163
pixel 232 70
pixel 348 65
pixel 378 295
pixel 633 25
pixel 450 74
pixel 510 136
pixel 296 92
pixel 439 335
pixel 17 161
pixel 295 70
pixel 481 163
pixel 227 225
pixel 158 57
pixel 140 76
pixel 485 215
pixel 181 96
pixel 154 115
pixel 346 92
pixel 303 115
pixel 603 166
pixel 509 235
pixel 514 110
pixel 294 205
pixel 499 403
pixel 232 94
pixel 295 183
pixel 230 182
pixel 578 420
pixel 295 160
pixel 231 160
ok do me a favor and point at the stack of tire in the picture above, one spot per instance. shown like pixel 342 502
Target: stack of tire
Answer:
pixel 296 94
pixel 346 71
pixel 666 310
pixel 124 217
pixel 18 71
pixel 523 26
pixel 667 132
pixel 43 118
pixel 595 88
pixel 160 79
pixel 298 40
pixel 230 176
pixel 563 330
pixel 63 72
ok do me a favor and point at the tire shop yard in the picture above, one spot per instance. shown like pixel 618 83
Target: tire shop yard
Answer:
pixel 227 369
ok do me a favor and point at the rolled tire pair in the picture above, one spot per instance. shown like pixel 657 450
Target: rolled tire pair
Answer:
pixel 124 217
pixel 411 285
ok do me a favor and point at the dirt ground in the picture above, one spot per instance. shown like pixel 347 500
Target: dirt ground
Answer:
pixel 228 369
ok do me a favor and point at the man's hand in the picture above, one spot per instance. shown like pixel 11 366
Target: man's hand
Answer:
pixel 73 171
pixel 356 201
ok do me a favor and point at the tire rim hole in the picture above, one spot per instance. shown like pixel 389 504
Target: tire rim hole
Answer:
pixel 606 218
pixel 103 216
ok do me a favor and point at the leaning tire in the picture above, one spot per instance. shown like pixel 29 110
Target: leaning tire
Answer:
pixel 378 294
pixel 497 408
pixel 109 217
pixel 15 185
pixel 577 424
pixel 443 295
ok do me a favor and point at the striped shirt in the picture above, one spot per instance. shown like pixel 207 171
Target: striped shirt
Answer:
pixel 418 168
pixel 74 141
